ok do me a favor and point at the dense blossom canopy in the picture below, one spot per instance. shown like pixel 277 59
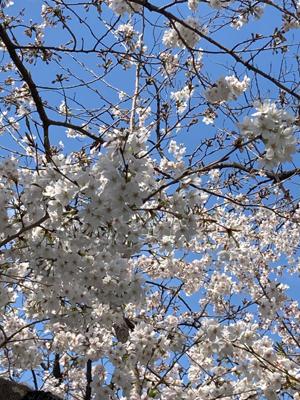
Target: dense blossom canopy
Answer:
pixel 149 189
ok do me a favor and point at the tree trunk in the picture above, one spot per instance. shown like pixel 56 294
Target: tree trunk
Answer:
pixel 10 390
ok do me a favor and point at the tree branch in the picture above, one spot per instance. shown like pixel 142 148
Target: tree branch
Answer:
pixel 232 53
pixel 32 87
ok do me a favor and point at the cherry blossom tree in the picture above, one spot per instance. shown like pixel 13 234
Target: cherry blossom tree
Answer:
pixel 149 194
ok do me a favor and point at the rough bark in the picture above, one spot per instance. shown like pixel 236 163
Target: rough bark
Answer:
pixel 10 390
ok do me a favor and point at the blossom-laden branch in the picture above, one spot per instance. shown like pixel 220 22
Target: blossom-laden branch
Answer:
pixel 146 245
pixel 174 19
pixel 46 122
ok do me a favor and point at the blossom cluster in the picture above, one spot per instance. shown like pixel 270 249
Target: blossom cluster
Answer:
pixel 275 127
pixel 218 4
pixel 290 22
pixel 183 35
pixel 226 88
pixel 128 35
pixel 243 16
pixel 182 97
pixel 121 7
pixel 193 4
